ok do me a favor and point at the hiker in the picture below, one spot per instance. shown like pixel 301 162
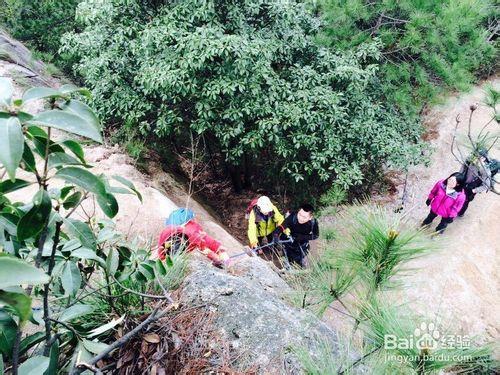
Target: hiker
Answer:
pixel 263 218
pixel 446 199
pixel 477 178
pixel 303 228
pixel 183 230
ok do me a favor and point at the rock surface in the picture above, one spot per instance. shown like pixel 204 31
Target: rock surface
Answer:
pixel 255 319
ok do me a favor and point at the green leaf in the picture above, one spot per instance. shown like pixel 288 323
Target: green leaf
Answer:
pixel 82 178
pixel 54 359
pixel 71 245
pixel 34 366
pixel 112 261
pixel 84 111
pixel 40 144
pixel 65 191
pixel 35 131
pixel 87 254
pixel 6 91
pixel 68 122
pixel 170 262
pixel 36 93
pixel 147 271
pixel 58 159
pixel 33 222
pixel 94 347
pixel 30 341
pixel 81 231
pixel 15 272
pixel 9 223
pixel 106 327
pixel 128 184
pixel 72 200
pixel 160 268
pixel 8 331
pixel 11 145
pixel 69 88
pixel 71 279
pixel 75 311
pixel 10 186
pixel 75 148
pixel 24 116
pixel 108 204
pixel 20 302
pixel 29 158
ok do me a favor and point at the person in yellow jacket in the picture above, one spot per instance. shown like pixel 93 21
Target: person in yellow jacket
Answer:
pixel 263 219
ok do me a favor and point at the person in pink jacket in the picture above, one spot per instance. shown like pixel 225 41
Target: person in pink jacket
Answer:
pixel 446 199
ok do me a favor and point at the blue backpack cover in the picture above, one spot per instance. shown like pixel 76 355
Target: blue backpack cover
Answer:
pixel 180 216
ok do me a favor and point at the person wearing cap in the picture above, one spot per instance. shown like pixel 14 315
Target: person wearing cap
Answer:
pixel 183 230
pixel 263 219
pixel 477 177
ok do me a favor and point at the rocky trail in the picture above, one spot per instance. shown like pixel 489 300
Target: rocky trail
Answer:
pixel 460 283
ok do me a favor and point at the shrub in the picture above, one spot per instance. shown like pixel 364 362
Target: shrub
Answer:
pixel 248 76
pixel 63 260
pixel 39 23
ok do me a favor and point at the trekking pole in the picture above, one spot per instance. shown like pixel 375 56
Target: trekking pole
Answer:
pixel 251 252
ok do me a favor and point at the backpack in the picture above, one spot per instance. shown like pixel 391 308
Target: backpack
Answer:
pixel 494 166
pixel 250 207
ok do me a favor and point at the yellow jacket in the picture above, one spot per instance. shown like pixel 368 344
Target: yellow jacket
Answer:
pixel 259 227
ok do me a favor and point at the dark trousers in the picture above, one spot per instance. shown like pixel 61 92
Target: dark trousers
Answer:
pixel 264 240
pixel 469 196
pixel 441 226
pixel 296 253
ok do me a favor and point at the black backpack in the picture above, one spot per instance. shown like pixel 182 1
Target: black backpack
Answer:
pixel 494 166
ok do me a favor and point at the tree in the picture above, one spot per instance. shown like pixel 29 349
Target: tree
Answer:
pixel 249 77
pixel 427 46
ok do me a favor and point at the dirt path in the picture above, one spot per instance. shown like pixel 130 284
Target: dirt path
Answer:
pixel 460 283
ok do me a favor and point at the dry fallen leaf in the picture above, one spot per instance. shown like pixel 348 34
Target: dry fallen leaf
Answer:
pixel 152 338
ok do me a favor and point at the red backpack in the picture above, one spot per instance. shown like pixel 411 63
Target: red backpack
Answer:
pixel 250 207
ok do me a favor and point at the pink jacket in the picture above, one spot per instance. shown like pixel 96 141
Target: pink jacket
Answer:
pixel 445 205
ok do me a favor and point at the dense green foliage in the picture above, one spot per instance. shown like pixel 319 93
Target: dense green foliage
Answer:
pixel 47 255
pixel 428 45
pixel 39 23
pixel 248 76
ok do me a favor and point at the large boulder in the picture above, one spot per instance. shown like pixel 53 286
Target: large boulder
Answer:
pixel 252 315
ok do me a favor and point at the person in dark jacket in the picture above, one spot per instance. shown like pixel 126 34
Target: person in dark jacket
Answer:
pixel 303 228
pixel 446 200
pixel 477 177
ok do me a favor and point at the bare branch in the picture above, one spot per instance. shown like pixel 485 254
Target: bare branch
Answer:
pixel 166 296
pixel 155 315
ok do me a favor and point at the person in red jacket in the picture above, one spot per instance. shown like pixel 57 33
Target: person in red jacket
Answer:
pixel 183 230
pixel 446 199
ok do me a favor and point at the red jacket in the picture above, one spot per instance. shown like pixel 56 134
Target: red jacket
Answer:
pixel 443 204
pixel 197 239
